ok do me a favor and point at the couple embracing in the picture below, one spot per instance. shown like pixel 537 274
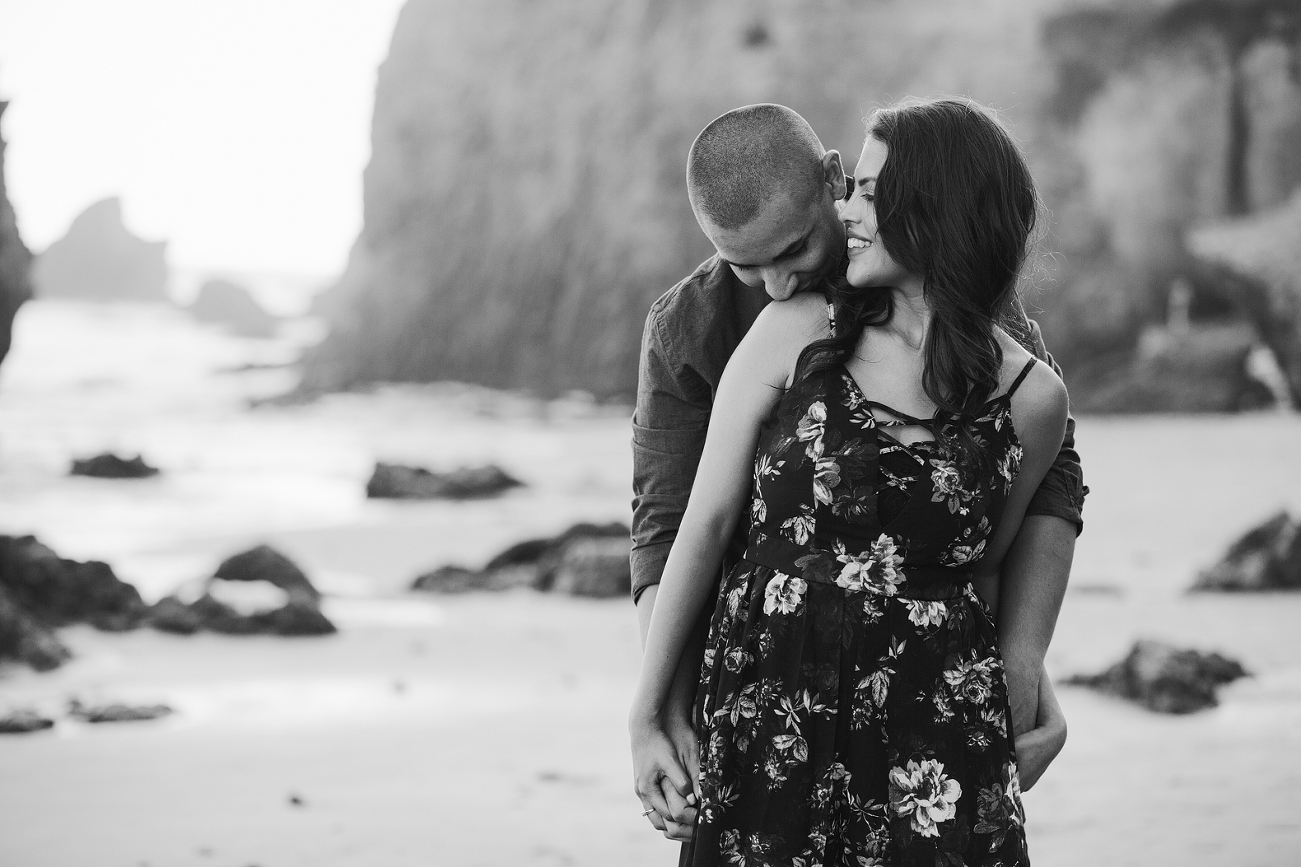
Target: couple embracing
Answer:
pixel 855 510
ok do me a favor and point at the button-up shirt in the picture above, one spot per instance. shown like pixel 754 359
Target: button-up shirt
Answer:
pixel 690 334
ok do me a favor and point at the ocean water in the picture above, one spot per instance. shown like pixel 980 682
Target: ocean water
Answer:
pixel 84 378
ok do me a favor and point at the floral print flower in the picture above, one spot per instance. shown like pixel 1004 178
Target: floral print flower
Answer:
pixel 783 594
pixel 826 476
pixel 877 571
pixel 925 794
pixel 811 428
pixel 972 680
pixel 925 613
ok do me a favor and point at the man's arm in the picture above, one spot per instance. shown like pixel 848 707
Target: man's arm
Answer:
pixel 668 433
pixel 1033 583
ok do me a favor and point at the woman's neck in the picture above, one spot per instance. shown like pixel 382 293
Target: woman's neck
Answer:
pixel 911 318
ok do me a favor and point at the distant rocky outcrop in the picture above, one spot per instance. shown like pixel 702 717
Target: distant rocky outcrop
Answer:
pixel 99 259
pixel 1258 257
pixel 395 481
pixel 1267 557
pixel 1166 679
pixel 117 712
pixel 1140 120
pixel 110 466
pixel 231 305
pixel 15 260
pixel 584 560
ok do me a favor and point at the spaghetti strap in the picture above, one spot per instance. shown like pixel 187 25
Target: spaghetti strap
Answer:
pixel 1020 377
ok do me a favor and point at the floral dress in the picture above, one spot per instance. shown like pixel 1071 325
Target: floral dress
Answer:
pixel 852 706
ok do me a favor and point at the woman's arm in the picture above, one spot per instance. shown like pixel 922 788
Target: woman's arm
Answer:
pixel 752 384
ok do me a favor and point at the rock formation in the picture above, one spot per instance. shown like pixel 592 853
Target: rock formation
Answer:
pixel 229 304
pixel 585 560
pixel 394 481
pixel 1267 557
pixel 525 203
pixel 1166 679
pixel 15 260
pixel 99 259
pixel 1259 258
pixel 300 614
pixel 110 466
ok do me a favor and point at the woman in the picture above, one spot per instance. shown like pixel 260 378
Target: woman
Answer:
pixel 888 435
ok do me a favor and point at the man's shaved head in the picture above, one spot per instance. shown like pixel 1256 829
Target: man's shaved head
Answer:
pixel 747 158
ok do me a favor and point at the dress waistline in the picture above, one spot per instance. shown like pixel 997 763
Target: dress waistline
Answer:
pixel 824 566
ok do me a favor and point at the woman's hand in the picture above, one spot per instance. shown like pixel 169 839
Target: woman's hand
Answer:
pixel 665 764
pixel 1036 749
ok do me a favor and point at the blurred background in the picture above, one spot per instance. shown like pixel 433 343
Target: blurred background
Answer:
pixel 310 312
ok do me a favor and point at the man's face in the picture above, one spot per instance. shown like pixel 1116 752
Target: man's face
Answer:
pixel 794 241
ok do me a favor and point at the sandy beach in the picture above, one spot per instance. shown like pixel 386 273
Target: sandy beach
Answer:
pixel 489 729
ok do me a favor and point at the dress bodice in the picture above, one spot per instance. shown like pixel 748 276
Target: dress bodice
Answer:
pixel 837 500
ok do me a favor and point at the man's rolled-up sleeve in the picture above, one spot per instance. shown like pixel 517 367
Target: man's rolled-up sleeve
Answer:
pixel 668 434
pixel 1061 493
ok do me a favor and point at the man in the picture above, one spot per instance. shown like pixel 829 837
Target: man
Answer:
pixel 766 195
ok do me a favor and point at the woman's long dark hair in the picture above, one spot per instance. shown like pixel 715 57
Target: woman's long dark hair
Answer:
pixel 956 205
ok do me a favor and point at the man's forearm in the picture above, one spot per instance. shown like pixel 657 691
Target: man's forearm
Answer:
pixel 1031 587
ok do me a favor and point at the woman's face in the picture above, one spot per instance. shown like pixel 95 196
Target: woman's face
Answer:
pixel 869 263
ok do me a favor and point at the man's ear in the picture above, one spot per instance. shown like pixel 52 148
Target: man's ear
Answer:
pixel 833 174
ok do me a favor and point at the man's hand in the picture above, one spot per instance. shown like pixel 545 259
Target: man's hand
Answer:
pixel 665 766
pixel 1036 749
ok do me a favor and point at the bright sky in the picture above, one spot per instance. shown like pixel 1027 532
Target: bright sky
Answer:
pixel 235 129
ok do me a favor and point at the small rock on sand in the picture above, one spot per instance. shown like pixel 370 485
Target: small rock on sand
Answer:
pixel 1165 678
pixel 117 712
pixel 265 563
pixel 110 466
pixel 23 721
pixel 394 481
pixel 585 560
pixel 1267 557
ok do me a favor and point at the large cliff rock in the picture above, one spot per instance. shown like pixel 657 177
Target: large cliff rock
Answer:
pixel 15 260
pixel 525 200
pixel 100 259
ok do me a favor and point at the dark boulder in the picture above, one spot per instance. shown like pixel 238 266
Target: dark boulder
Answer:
pixel 1268 557
pixel 23 721
pixel 299 615
pixel 231 305
pixel 584 560
pixel 1164 678
pixel 110 466
pixel 58 591
pixel 394 481
pixel 264 563
pixel 117 712
pixel 170 614
pixel 27 640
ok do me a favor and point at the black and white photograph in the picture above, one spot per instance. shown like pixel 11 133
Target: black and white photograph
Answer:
pixel 578 433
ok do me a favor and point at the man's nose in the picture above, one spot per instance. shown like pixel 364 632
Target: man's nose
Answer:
pixel 780 284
